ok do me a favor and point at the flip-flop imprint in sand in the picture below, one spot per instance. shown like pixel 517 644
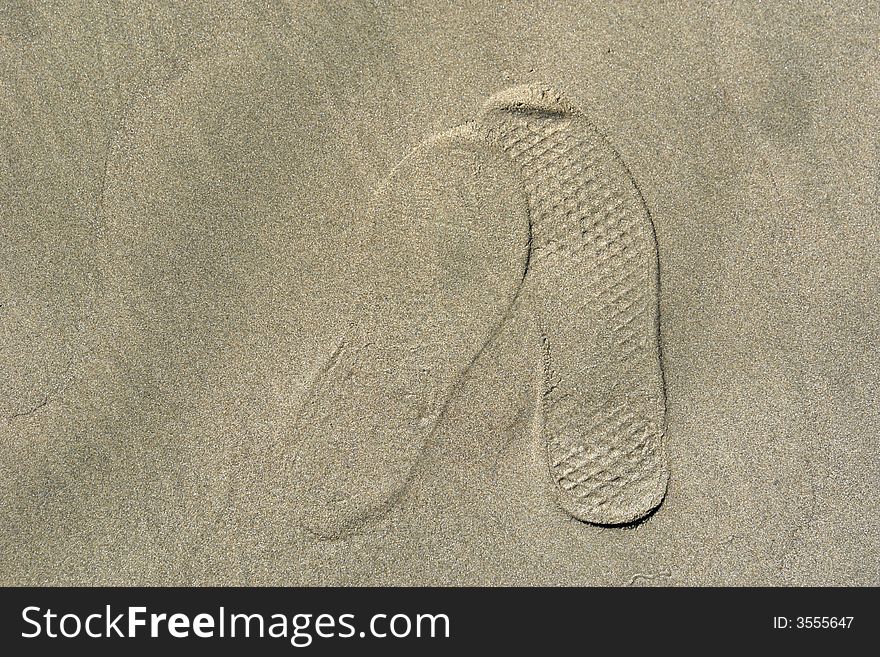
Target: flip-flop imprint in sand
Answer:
pixel 593 284
pixel 447 251
pixel 529 199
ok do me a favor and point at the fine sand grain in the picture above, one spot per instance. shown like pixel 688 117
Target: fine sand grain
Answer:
pixel 281 304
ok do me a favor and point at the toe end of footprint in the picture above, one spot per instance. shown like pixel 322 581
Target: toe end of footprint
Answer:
pixel 637 504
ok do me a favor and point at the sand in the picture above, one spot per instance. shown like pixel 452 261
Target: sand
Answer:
pixel 207 208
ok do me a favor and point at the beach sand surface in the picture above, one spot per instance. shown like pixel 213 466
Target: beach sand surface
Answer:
pixel 187 192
